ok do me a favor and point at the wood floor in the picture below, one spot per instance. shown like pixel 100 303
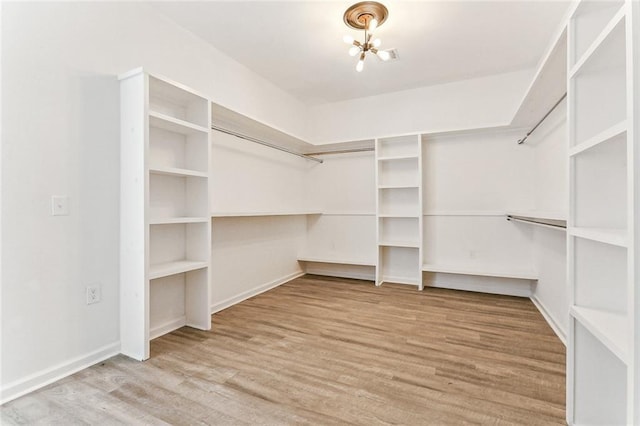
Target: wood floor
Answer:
pixel 329 351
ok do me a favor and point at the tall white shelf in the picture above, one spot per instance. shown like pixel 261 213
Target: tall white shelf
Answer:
pixel 602 376
pixel 399 210
pixel 165 228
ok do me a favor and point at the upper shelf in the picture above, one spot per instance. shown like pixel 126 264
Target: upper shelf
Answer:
pixel 548 86
pixel 172 124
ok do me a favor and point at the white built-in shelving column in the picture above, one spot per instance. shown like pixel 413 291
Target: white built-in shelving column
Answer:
pixel 165 226
pixel 399 210
pixel 601 355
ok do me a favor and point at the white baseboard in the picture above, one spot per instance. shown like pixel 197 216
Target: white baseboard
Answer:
pixel 49 375
pixel 550 320
pixel 219 306
pixel 167 327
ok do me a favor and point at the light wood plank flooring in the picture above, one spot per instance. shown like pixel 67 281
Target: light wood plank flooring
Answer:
pixel 329 351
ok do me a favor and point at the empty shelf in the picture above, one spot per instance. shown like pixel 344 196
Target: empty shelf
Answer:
pixel 160 270
pixel 616 237
pixel 397 157
pixel 174 171
pixel 178 220
pixel 463 270
pixel 608 327
pixel 338 260
pixel 258 214
pixel 409 244
pixel 175 125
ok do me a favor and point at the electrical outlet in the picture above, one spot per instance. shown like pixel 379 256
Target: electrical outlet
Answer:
pixel 93 294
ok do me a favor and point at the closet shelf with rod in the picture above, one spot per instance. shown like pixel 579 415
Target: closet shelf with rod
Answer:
pixel 521 141
pixel 264 143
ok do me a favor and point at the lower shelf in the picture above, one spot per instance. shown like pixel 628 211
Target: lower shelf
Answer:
pixel 336 260
pixel 160 270
pixel 399 280
pixel 463 270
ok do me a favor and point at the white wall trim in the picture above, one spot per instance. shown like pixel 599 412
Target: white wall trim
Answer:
pixel 49 375
pixel 167 327
pixel 219 306
pixel 550 320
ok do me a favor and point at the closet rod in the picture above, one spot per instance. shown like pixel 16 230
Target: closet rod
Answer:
pixel 261 142
pixel 521 141
pixel 342 151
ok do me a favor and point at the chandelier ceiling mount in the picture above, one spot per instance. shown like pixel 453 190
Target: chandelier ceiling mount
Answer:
pixel 367 16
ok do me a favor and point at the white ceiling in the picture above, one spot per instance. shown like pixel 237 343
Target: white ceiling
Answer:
pixel 297 45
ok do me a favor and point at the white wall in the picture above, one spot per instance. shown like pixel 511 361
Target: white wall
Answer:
pixel 343 187
pixel 549 145
pixel 252 254
pixel 470 181
pixel 477 103
pixel 60 136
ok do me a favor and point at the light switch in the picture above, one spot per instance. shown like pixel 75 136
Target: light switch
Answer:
pixel 59 205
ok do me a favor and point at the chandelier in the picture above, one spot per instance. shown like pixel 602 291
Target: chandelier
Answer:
pixel 367 16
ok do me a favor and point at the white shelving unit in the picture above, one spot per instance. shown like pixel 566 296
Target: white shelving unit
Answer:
pixel 602 373
pixel 399 210
pixel 165 223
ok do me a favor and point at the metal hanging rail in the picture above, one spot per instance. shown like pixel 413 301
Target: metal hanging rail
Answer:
pixel 551 223
pixel 521 141
pixel 342 151
pixel 261 142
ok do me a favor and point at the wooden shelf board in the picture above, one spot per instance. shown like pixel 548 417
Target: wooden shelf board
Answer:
pixel 178 220
pixel 608 327
pixel 398 215
pixel 602 37
pixel 604 136
pixel 616 237
pixel 397 157
pixel 338 260
pixel 172 124
pixel 408 244
pixel 166 269
pixel 260 214
pixel 174 171
pixel 464 270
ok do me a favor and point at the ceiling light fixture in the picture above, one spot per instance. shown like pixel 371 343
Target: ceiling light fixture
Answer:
pixel 367 16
